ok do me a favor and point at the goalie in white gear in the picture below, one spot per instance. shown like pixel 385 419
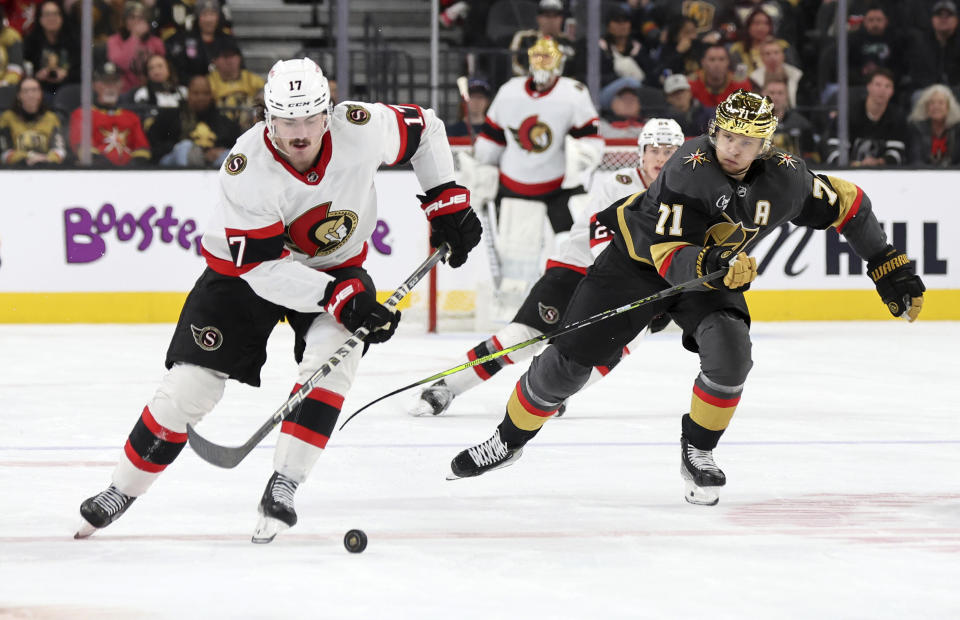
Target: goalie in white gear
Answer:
pixel 525 136
pixel 287 240
pixel 543 308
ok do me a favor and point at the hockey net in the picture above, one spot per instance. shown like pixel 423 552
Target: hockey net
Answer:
pixel 455 308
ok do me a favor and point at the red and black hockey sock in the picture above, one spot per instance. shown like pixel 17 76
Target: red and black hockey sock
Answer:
pixel 711 409
pixel 150 446
pixel 314 420
pixel 488 369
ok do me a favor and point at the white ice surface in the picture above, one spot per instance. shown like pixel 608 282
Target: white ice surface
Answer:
pixel 843 498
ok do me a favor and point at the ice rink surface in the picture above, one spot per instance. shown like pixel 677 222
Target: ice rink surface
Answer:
pixel 843 497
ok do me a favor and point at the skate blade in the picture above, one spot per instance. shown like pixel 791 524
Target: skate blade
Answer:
pixel 507 463
pixel 267 529
pixel 701 496
pixel 84 531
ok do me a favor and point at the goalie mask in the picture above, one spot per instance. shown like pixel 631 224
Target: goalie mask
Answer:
pixel 297 101
pixel 659 132
pixel 746 114
pixel 546 61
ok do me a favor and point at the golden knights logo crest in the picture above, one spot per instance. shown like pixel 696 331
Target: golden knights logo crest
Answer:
pixel 533 135
pixel 207 338
pixel 321 231
pixel 733 235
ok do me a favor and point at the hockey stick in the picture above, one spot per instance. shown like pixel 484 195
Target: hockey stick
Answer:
pixel 228 457
pixel 606 314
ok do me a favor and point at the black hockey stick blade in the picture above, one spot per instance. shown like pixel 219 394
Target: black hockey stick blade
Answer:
pixel 600 316
pixel 231 456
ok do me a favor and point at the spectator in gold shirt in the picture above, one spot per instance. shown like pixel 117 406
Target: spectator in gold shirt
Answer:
pixel 30 134
pixel 234 88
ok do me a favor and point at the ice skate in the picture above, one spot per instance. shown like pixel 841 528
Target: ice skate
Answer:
pixel 276 509
pixel 701 475
pixel 101 510
pixel 434 400
pixel 491 454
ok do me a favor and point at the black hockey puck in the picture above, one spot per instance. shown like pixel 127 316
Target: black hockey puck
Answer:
pixel 355 541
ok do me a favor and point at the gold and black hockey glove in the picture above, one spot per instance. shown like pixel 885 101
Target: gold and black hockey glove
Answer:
pixel 740 273
pixel 897 283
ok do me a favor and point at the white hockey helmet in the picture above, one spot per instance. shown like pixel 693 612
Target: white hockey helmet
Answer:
pixel 659 132
pixel 295 89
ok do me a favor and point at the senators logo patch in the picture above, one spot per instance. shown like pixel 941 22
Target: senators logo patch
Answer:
pixel 548 314
pixel 533 135
pixel 207 338
pixel 321 231
pixel 357 114
pixel 624 178
pixel 235 163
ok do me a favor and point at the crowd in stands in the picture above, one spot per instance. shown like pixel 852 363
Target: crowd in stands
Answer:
pixel 170 86
pixel 679 59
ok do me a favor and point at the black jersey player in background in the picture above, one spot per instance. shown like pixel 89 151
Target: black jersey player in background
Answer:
pixel 715 198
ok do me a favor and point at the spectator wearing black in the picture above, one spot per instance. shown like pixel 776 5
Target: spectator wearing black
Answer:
pixel 934 125
pixel 683 108
pixel 874 45
pixel 878 128
pixel 550 16
pixel 30 134
pixel 196 134
pixel 621 55
pixel 162 89
pixel 782 12
pixel 475 110
pixel 795 133
pixel 936 52
pixel 52 49
pixel 681 49
pixel 192 51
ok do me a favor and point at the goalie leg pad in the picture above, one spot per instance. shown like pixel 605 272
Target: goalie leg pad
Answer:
pixel 520 237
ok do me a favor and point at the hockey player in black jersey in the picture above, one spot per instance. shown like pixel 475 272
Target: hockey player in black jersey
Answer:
pixel 715 198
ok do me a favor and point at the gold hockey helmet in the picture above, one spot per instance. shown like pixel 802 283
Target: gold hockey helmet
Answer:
pixel 546 60
pixel 747 114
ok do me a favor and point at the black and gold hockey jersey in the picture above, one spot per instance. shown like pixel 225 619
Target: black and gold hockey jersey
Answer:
pixel 693 204
pixel 40 134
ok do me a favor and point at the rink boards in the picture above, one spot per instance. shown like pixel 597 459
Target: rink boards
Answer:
pixel 107 247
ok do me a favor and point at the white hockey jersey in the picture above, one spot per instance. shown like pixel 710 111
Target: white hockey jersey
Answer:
pixel 524 133
pixel 587 237
pixel 279 229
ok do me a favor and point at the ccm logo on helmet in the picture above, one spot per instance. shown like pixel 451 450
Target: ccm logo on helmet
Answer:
pixel 440 204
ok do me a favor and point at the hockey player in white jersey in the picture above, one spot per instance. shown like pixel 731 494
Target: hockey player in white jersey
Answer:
pixel 543 308
pixel 287 240
pixel 526 135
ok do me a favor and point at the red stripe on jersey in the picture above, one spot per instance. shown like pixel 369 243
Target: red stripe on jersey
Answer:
pixel 603 370
pixel 555 263
pixel 499 346
pixel 531 409
pixel 304 434
pixel 483 374
pixel 323 396
pixel 532 89
pixel 266 232
pixel 487 119
pixel 326 152
pixel 853 210
pixel 160 431
pixel 227 267
pixel 669 259
pixel 139 463
pixel 530 189
pixel 715 401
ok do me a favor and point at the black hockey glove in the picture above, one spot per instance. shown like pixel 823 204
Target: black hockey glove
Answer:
pixel 447 207
pixel 658 323
pixel 897 283
pixel 739 275
pixel 354 307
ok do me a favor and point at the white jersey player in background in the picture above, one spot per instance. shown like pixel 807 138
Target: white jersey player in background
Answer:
pixel 542 133
pixel 287 240
pixel 544 307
